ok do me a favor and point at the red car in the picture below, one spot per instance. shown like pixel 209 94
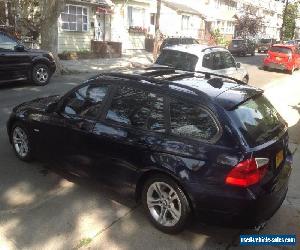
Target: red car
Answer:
pixel 283 56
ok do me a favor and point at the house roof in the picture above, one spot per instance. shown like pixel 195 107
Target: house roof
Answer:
pixel 181 8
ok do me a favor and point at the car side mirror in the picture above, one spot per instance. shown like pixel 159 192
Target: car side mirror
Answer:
pixel 238 65
pixel 51 107
pixel 20 48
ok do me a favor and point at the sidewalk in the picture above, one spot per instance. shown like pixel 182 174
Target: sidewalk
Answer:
pixel 130 59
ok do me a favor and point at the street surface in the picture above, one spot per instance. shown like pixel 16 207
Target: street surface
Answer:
pixel 41 208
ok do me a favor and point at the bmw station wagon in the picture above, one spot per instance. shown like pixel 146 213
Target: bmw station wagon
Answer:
pixel 184 144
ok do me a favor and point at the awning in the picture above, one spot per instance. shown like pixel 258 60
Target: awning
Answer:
pixel 100 10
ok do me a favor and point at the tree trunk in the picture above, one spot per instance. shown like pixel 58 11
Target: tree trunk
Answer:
pixel 157 38
pixel 50 10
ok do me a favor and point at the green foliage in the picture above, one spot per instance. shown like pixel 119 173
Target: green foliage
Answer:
pixel 218 38
pixel 289 21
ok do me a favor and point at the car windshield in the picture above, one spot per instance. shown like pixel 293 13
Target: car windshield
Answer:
pixel 265 41
pixel 282 50
pixel 258 120
pixel 176 41
pixel 178 60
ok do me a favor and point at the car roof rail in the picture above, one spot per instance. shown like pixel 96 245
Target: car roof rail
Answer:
pixel 213 47
pixel 157 81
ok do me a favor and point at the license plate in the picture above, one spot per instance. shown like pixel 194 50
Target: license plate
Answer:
pixel 278 58
pixel 234 45
pixel 279 158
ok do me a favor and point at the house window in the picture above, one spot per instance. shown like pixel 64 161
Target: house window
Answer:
pixel 136 17
pixel 185 22
pixel 74 18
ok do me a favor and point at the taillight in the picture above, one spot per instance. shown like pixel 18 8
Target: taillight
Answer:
pixel 248 172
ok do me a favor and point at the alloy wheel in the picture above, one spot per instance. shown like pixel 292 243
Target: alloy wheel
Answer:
pixel 41 74
pixel 164 204
pixel 20 142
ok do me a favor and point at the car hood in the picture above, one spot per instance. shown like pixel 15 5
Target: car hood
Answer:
pixel 39 104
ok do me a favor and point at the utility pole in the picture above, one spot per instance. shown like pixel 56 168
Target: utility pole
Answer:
pixel 283 20
pixel 157 36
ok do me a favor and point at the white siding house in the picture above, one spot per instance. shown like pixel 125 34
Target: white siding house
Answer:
pixel 81 22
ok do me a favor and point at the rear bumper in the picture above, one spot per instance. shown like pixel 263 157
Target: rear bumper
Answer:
pixel 237 51
pixel 277 65
pixel 239 207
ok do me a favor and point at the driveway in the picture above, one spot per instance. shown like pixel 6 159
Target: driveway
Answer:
pixel 44 208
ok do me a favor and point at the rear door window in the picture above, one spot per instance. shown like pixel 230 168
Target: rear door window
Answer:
pixel 258 120
pixel 137 108
pixel 207 61
pixel 192 121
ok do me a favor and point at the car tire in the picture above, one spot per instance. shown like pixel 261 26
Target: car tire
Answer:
pixel 266 68
pixel 258 51
pixel 21 142
pixel 40 74
pixel 291 71
pixel 165 203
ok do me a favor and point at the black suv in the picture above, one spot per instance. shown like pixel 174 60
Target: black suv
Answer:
pixel 181 142
pixel 264 44
pixel 242 47
pixel 18 63
pixel 171 41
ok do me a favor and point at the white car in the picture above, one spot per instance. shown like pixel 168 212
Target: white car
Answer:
pixel 196 57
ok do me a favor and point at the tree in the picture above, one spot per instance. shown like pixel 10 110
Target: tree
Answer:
pixel 248 23
pixel 50 11
pixel 289 17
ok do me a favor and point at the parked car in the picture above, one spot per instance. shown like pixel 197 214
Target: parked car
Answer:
pixel 198 57
pixel 18 63
pixel 171 41
pixel 242 47
pixel 265 44
pixel 183 143
pixel 284 57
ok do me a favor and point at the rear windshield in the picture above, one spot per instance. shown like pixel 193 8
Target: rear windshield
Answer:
pixel 258 121
pixel 281 50
pixel 178 60
pixel 265 40
pixel 237 42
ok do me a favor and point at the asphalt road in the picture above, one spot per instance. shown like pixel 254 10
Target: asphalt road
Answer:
pixel 42 208
pixel 258 76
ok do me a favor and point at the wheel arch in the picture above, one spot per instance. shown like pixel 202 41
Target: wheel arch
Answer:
pixel 148 174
